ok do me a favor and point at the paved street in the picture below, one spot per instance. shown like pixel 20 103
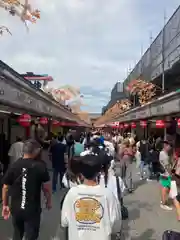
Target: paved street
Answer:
pixel 147 220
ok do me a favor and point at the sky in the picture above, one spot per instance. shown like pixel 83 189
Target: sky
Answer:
pixel 89 44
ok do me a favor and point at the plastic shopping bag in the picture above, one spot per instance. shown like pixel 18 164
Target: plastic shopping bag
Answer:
pixel 173 190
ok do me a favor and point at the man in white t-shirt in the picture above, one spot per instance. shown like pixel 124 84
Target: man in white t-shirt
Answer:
pixel 16 150
pixel 89 210
pixel 165 178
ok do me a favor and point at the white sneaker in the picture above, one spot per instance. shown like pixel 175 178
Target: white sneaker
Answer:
pixel 165 207
pixel 141 178
pixel 149 180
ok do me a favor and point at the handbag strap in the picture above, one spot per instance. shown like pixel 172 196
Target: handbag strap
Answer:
pixel 118 188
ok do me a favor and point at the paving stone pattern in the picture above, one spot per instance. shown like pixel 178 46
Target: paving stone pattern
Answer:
pixel 147 221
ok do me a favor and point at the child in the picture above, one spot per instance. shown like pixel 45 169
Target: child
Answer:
pixel 90 210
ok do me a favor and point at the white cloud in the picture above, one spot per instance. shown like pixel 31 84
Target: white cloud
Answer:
pixel 86 43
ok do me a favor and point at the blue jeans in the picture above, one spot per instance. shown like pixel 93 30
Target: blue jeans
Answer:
pixel 57 173
pixel 145 170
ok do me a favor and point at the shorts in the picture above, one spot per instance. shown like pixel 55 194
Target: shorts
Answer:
pixel 165 181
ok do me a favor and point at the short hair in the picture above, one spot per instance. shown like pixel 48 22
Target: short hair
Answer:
pixel 19 139
pixel 90 166
pixel 61 138
pixel 77 137
pixel 31 146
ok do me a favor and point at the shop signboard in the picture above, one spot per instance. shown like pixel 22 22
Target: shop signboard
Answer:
pixel 12 95
pixel 166 108
pixel 143 114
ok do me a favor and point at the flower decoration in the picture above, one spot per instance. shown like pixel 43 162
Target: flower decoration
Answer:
pixel 118 108
pixel 145 90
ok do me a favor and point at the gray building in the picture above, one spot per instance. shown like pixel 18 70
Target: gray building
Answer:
pixel 159 64
pixel 162 58
pixel 117 93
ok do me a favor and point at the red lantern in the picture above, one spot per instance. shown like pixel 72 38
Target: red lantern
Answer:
pixel 24 120
pixel 160 124
pixel 43 121
pixel 143 124
pixel 178 122
pixel 121 126
pixel 114 125
pixel 133 125
pixel 126 125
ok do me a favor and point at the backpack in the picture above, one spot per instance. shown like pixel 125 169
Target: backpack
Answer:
pixel 78 149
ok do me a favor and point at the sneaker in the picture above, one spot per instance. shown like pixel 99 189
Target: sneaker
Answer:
pixel 165 207
pixel 141 178
pixel 149 180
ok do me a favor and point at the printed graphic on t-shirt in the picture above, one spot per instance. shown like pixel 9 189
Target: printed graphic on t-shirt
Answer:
pixel 88 211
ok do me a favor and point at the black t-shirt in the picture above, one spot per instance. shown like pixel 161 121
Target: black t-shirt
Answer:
pixel 25 178
pixel 58 151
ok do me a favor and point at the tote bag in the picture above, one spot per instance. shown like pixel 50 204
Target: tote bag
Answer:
pixel 173 190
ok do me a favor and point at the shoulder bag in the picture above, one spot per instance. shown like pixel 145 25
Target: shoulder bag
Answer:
pixel 124 210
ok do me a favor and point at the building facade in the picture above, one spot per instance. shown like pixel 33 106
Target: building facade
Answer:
pixel 117 94
pixel 162 57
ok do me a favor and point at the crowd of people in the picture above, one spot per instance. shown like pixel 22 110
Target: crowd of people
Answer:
pixel 94 170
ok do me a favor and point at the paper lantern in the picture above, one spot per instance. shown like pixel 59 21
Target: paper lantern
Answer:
pixel 160 124
pixel 43 121
pixel 178 122
pixel 143 124
pixel 115 125
pixel 121 126
pixel 133 125
pixel 126 125
pixel 24 120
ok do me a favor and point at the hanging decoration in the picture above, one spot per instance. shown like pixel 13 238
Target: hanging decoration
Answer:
pixel 43 120
pixel 121 126
pixel 126 125
pixel 143 124
pixel 118 108
pixel 21 9
pixel 160 124
pixel 133 125
pixel 114 125
pixel 178 122
pixel 145 90
pixel 24 120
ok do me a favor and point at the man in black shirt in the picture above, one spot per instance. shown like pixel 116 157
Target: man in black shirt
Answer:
pixel 58 162
pixel 25 179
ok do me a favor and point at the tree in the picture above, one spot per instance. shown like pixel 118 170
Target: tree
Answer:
pixel 4 29
pixel 21 9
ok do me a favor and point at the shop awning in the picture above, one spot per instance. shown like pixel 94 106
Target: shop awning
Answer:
pixel 17 93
